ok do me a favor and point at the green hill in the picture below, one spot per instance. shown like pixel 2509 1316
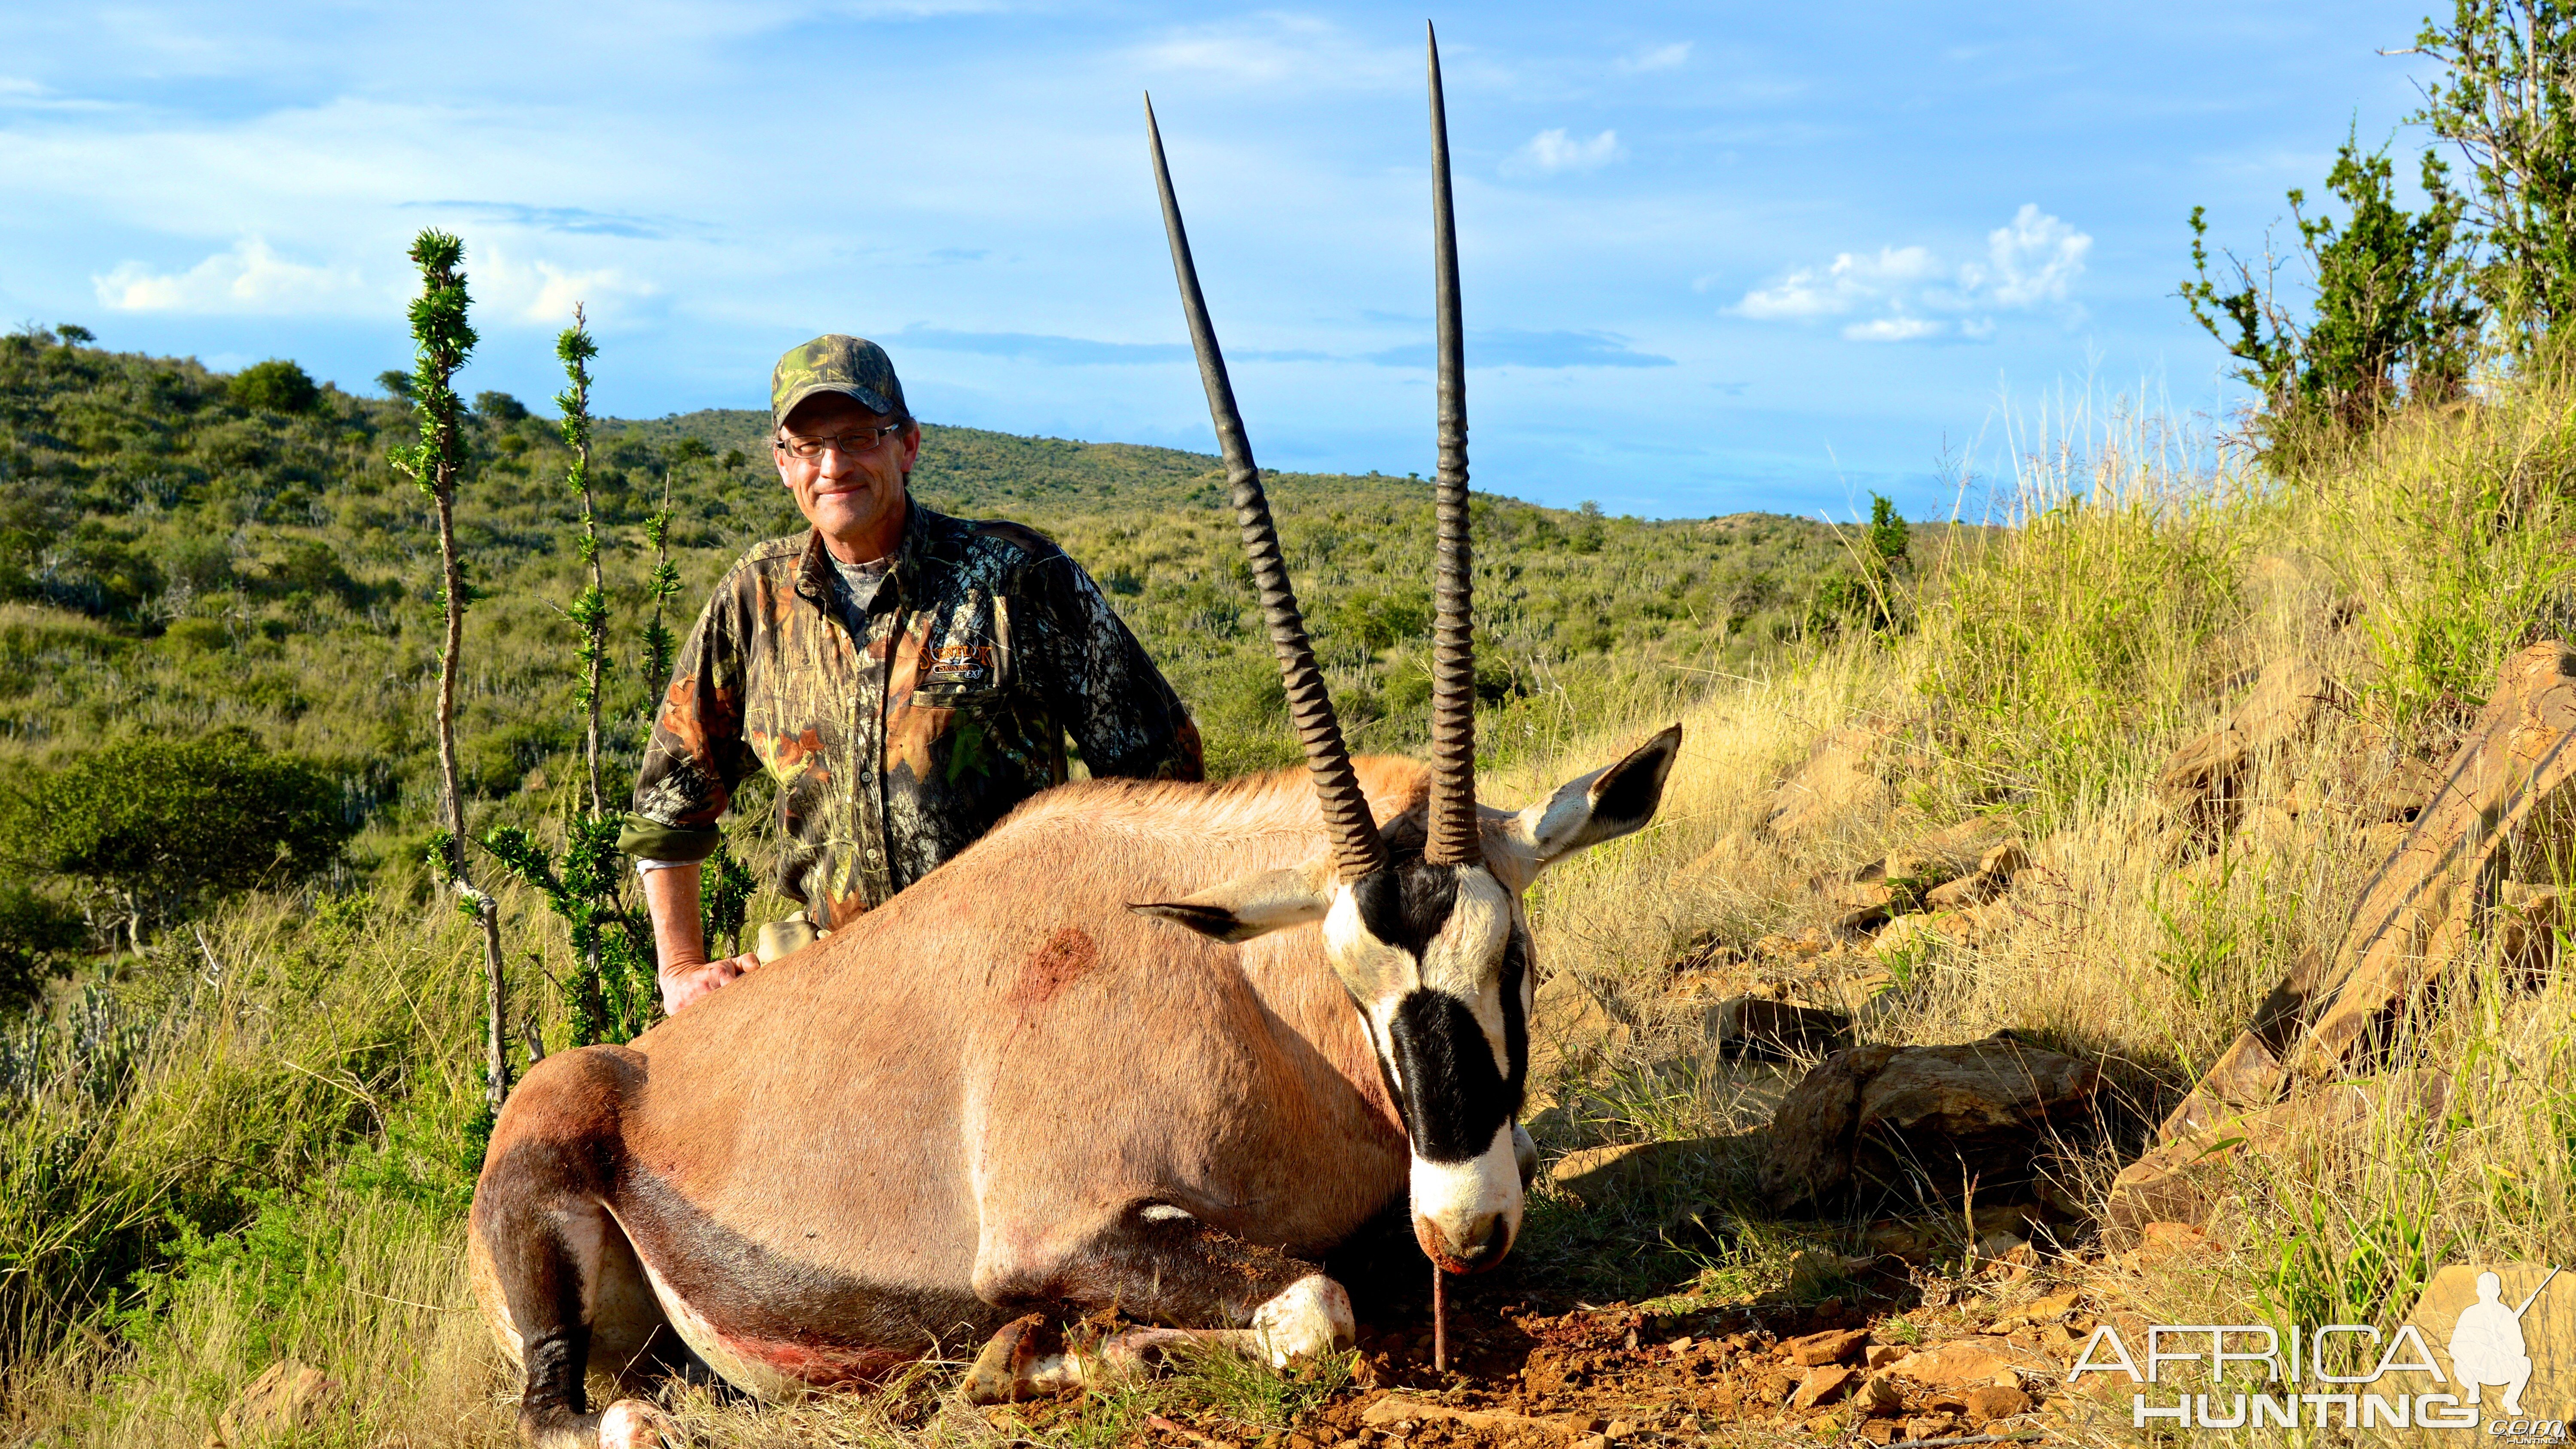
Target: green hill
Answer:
pixel 180 555
pixel 174 557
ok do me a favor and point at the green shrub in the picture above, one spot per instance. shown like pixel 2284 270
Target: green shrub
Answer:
pixel 276 386
pixel 151 827
pixel 37 936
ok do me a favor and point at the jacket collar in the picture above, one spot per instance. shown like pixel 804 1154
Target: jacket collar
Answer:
pixel 921 532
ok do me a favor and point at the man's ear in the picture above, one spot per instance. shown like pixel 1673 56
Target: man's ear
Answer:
pixel 1603 805
pixel 1252 905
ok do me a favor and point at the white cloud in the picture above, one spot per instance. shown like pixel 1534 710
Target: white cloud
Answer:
pixel 2032 260
pixel 249 278
pixel 1554 150
pixel 1892 329
pixel 19 93
pixel 1658 57
pixel 1295 50
pixel 542 292
pixel 1907 294
pixel 1852 282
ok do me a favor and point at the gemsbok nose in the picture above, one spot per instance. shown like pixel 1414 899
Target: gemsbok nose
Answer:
pixel 1472 1247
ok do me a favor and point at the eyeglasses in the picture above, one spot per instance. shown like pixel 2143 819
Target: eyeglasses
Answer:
pixel 852 445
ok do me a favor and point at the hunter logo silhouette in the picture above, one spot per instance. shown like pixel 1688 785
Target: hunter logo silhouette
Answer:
pixel 2486 1344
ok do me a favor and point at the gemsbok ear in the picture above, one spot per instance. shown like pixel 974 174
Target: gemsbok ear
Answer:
pixel 1251 906
pixel 1603 805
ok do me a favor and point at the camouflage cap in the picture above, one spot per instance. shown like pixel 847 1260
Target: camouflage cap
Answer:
pixel 854 367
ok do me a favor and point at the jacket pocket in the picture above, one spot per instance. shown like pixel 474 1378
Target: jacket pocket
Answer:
pixel 965 658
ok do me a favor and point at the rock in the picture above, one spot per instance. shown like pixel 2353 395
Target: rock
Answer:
pixel 1968 890
pixel 1838 780
pixel 2203 783
pixel 1821 1386
pixel 1570 1030
pixel 1962 1363
pixel 1995 1401
pixel 2184 1180
pixel 1735 853
pixel 1880 1355
pixel 2421 911
pixel 2548 1332
pixel 1830 1346
pixel 1859 1125
pixel 1397 1409
pixel 287 1398
pixel 1878 1395
pixel 1754 1027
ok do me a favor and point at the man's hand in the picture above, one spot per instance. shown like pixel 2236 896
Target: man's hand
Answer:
pixel 686 983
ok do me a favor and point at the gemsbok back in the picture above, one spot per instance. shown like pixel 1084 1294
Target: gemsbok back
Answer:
pixel 1150 1047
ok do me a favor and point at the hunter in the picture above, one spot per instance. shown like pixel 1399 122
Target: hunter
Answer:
pixel 906 677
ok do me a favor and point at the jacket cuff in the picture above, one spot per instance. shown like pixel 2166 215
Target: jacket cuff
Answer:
pixel 652 840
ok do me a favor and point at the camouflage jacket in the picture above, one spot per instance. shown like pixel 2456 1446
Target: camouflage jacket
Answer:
pixel 985 645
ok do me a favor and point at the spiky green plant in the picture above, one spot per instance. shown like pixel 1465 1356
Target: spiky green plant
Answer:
pixel 590 609
pixel 609 996
pixel 442 339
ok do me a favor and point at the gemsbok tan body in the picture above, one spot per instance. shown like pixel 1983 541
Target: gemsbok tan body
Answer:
pixel 1144 1047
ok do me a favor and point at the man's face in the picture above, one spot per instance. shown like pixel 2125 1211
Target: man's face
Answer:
pixel 852 492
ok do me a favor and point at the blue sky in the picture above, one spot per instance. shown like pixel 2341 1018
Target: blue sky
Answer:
pixel 1715 257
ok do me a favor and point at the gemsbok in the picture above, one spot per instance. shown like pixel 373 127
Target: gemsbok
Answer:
pixel 1145 1047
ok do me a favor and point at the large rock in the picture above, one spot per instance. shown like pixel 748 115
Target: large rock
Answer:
pixel 2186 1179
pixel 1838 780
pixel 1759 1027
pixel 1871 1121
pixel 1570 1030
pixel 2204 781
pixel 2423 909
pixel 287 1399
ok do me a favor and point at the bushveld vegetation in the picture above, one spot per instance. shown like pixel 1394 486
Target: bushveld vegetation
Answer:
pixel 219 597
pixel 236 1120
pixel 247 1141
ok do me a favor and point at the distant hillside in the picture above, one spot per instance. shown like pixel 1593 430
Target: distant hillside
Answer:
pixel 175 556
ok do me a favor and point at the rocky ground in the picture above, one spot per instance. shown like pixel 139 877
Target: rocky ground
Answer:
pixel 1892 1352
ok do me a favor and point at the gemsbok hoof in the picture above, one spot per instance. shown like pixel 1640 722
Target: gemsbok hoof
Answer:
pixel 1311 1319
pixel 1026 1360
pixel 634 1424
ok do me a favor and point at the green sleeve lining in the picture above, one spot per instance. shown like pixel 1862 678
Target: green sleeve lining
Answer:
pixel 644 839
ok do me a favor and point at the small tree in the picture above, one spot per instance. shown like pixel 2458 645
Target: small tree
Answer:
pixel 1868 594
pixel 660 645
pixel 443 339
pixel 2392 304
pixel 74 335
pixel 2509 103
pixel 277 385
pixel 149 829
pixel 610 994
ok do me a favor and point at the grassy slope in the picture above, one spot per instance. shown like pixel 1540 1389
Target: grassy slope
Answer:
pixel 2048 677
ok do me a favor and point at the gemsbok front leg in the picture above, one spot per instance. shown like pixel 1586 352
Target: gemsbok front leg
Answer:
pixel 1157 1263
